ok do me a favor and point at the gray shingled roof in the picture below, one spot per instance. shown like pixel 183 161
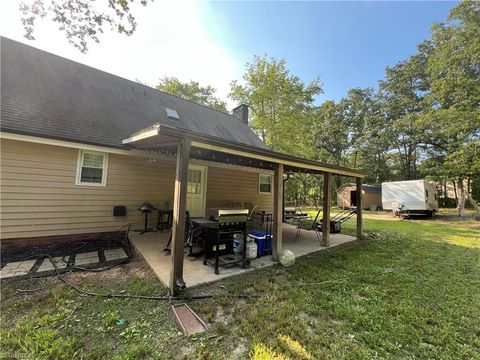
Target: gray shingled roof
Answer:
pixel 367 188
pixel 46 95
pixel 372 188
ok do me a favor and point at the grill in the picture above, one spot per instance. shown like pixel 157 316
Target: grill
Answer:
pixel 146 208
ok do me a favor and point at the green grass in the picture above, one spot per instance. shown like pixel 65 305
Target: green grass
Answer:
pixel 411 290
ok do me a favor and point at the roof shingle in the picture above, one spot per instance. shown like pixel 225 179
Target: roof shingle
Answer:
pixel 46 95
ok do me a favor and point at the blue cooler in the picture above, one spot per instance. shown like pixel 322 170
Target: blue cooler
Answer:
pixel 264 242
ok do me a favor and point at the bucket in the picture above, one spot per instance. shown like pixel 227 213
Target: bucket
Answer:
pixel 251 250
pixel 373 207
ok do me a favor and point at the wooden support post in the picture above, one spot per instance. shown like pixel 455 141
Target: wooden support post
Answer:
pixel 277 212
pixel 327 190
pixel 359 209
pixel 179 213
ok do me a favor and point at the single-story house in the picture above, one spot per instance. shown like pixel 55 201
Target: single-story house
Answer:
pixel 77 142
pixel 371 196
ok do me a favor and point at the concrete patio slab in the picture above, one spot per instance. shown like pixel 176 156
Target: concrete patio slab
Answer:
pixel 150 246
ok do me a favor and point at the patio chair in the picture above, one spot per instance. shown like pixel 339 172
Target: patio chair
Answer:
pixel 307 223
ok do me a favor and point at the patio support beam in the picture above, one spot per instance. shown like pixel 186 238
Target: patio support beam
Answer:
pixel 327 190
pixel 359 209
pixel 277 212
pixel 179 213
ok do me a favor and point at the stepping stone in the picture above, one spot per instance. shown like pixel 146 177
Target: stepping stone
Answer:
pixel 17 268
pixel 115 254
pixel 47 264
pixel 86 258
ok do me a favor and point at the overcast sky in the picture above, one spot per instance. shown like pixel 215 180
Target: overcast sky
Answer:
pixel 347 44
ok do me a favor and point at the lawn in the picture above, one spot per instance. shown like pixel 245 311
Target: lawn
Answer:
pixel 411 289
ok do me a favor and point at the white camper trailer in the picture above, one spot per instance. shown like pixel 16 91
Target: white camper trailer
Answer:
pixel 413 197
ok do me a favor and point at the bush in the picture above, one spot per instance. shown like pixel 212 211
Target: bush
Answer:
pixel 447 202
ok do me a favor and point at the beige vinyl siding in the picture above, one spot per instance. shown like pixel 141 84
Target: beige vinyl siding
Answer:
pixel 39 196
pixel 225 186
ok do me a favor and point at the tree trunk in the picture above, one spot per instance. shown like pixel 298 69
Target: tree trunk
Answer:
pixel 263 135
pixel 455 192
pixel 407 163
pixel 414 159
pixel 461 198
pixel 355 159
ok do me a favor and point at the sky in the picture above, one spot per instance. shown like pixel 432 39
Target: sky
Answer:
pixel 346 44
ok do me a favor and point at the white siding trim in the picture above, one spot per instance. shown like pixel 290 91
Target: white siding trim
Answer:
pixel 75 145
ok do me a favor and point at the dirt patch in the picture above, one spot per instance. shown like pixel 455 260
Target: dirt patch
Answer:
pixel 444 217
pixel 241 348
pixel 221 317
pixel 381 216
pixel 309 320
pixel 136 268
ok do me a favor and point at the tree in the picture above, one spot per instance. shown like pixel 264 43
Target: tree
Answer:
pixel 328 134
pixel 279 102
pixel 192 91
pixel 402 98
pixel 80 20
pixel 370 138
pixel 452 122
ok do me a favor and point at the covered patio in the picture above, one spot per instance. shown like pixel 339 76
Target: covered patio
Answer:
pixel 179 272
pixel 150 246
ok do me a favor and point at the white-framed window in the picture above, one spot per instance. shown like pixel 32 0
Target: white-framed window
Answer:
pixel 264 184
pixel 194 183
pixel 91 168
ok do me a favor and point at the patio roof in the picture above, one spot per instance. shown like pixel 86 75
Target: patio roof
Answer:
pixel 187 144
pixel 159 137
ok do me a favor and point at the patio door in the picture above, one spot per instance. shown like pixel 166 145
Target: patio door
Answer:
pixel 196 190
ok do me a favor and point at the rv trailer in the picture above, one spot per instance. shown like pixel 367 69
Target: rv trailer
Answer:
pixel 413 197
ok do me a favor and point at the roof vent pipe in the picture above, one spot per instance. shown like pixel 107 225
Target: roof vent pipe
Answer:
pixel 241 112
